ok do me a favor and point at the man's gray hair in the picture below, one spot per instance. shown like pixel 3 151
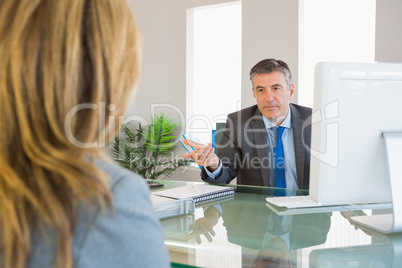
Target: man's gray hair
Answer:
pixel 271 65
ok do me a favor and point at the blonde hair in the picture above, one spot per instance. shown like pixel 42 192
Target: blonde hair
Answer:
pixel 54 56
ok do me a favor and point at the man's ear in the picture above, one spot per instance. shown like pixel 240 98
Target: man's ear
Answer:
pixel 253 93
pixel 292 90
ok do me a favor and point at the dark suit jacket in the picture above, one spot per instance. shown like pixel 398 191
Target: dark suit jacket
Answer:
pixel 243 147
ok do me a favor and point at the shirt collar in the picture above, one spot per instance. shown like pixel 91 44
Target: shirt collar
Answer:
pixel 286 123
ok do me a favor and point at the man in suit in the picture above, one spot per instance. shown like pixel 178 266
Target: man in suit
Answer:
pixel 248 147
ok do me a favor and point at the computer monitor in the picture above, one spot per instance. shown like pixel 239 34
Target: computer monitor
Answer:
pixel 357 115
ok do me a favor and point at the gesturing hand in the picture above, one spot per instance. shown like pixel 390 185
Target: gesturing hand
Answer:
pixel 203 155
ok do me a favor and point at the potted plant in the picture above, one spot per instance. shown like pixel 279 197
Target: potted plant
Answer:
pixel 145 150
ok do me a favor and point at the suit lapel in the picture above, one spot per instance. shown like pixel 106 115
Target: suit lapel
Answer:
pixel 297 125
pixel 260 140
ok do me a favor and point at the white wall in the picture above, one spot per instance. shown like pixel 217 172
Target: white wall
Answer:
pixel 389 31
pixel 163 78
pixel 270 29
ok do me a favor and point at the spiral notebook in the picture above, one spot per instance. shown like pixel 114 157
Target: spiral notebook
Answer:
pixel 214 201
pixel 197 192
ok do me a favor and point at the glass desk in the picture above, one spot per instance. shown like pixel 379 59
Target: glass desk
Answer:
pixel 244 232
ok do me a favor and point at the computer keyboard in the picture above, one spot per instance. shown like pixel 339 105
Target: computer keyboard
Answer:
pixel 300 201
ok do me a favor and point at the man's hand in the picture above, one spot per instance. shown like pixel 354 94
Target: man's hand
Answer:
pixel 204 226
pixel 203 155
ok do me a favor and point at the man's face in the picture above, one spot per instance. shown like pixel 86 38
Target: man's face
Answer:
pixel 273 95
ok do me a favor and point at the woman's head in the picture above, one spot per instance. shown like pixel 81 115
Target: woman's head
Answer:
pixel 59 56
pixel 67 67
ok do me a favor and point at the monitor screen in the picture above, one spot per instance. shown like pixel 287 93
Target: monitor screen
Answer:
pixel 354 103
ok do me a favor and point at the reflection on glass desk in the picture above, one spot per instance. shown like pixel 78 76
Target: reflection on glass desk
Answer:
pixel 244 232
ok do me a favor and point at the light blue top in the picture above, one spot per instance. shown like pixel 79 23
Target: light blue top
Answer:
pixel 288 151
pixel 131 236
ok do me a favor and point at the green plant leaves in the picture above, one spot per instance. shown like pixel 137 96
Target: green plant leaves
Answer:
pixel 144 151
